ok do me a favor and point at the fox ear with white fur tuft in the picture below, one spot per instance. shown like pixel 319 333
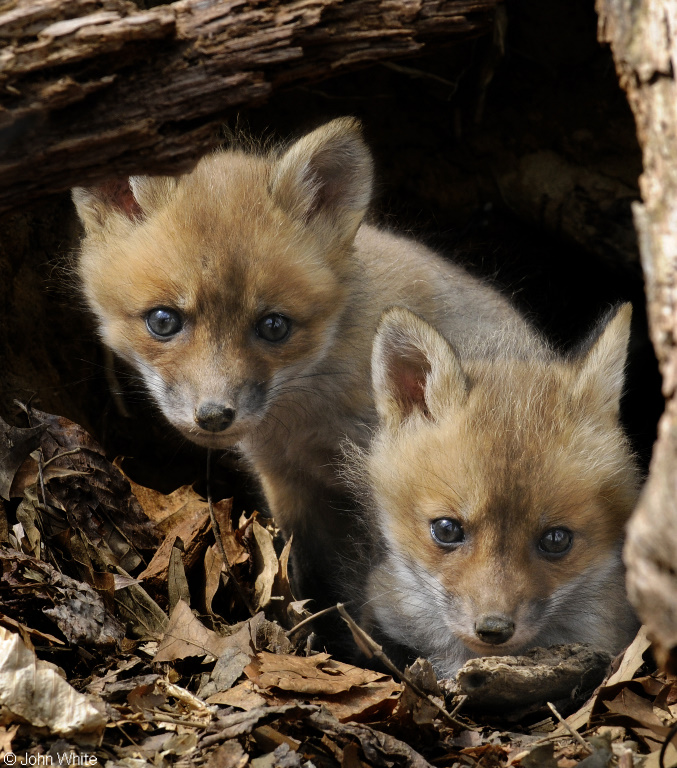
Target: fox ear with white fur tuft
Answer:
pixel 325 178
pixel 121 199
pixel 599 385
pixel 414 370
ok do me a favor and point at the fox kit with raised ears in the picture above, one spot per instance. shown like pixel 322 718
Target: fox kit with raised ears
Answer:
pixel 247 293
pixel 499 487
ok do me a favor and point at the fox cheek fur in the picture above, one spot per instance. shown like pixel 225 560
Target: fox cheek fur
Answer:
pixel 265 288
pixel 500 488
pixel 221 259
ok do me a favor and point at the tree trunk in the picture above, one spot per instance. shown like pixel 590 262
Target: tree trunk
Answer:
pixel 104 88
pixel 642 37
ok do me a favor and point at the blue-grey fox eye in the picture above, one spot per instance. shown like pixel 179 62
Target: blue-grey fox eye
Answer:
pixel 446 531
pixel 273 327
pixel 163 322
pixel 556 541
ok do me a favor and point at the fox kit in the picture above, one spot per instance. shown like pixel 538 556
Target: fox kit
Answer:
pixel 246 294
pixel 500 487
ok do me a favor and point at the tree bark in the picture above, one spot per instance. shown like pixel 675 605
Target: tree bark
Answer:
pixel 103 88
pixel 642 37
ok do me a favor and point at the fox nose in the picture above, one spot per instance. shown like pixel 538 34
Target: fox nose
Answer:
pixel 214 417
pixel 494 629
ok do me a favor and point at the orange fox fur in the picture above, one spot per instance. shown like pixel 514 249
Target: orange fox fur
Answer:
pixel 251 236
pixel 504 450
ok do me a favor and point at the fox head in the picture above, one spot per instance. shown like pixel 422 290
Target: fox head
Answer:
pixel 500 489
pixel 223 286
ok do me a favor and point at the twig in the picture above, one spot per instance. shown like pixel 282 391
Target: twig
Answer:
pixel 125 734
pixel 219 541
pixel 60 456
pixel 311 619
pixel 461 701
pixel 367 643
pixel 664 748
pixel 163 719
pixel 575 735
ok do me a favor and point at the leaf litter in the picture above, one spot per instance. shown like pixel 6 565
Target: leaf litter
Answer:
pixel 123 632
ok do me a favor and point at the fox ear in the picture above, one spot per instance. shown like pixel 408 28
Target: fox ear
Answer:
pixel 131 198
pixel 326 177
pixel 599 385
pixel 414 370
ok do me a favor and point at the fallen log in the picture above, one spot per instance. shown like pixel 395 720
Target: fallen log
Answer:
pixel 90 88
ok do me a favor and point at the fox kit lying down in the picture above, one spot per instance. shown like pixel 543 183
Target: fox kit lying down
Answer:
pixel 246 295
pixel 499 488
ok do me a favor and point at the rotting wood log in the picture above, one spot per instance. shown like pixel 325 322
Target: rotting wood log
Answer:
pixel 642 37
pixel 102 87
pixel 517 685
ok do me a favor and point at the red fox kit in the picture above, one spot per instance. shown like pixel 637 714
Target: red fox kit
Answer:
pixel 500 487
pixel 246 294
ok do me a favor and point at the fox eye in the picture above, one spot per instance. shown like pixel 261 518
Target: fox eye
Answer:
pixel 556 541
pixel 163 322
pixel 273 327
pixel 447 532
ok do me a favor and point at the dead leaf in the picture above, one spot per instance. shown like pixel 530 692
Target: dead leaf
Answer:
pixel 238 723
pixel 16 445
pixel 380 749
pixel 542 756
pixel 177 584
pixel 89 507
pixel 213 566
pixel 318 674
pixel 6 738
pixel 228 755
pixel 652 760
pixel 638 709
pixel 348 692
pixel 186 636
pixel 144 617
pixel 266 565
pixel 145 697
pixel 24 679
pixel 245 696
pixel 76 608
pixel 229 667
pixel 190 522
pixel 632 660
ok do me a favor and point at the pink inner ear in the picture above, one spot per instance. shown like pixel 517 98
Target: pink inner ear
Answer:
pixel 409 380
pixel 118 194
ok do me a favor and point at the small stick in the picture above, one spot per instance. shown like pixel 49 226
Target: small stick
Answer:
pixel 219 541
pixel 461 701
pixel 575 735
pixel 310 619
pixel 60 456
pixel 366 642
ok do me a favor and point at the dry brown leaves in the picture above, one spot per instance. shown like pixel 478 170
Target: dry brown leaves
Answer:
pixel 115 598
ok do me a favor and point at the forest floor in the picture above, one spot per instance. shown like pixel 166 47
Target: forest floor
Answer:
pixel 126 641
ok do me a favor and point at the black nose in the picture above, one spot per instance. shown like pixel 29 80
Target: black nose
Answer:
pixel 214 417
pixel 494 629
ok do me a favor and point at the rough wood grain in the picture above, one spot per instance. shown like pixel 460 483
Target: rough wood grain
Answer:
pixel 642 37
pixel 515 685
pixel 90 88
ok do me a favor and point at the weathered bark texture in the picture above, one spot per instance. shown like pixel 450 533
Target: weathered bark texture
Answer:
pixel 516 685
pixel 102 87
pixel 643 38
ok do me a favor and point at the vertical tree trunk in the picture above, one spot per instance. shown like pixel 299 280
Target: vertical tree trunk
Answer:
pixel 644 44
